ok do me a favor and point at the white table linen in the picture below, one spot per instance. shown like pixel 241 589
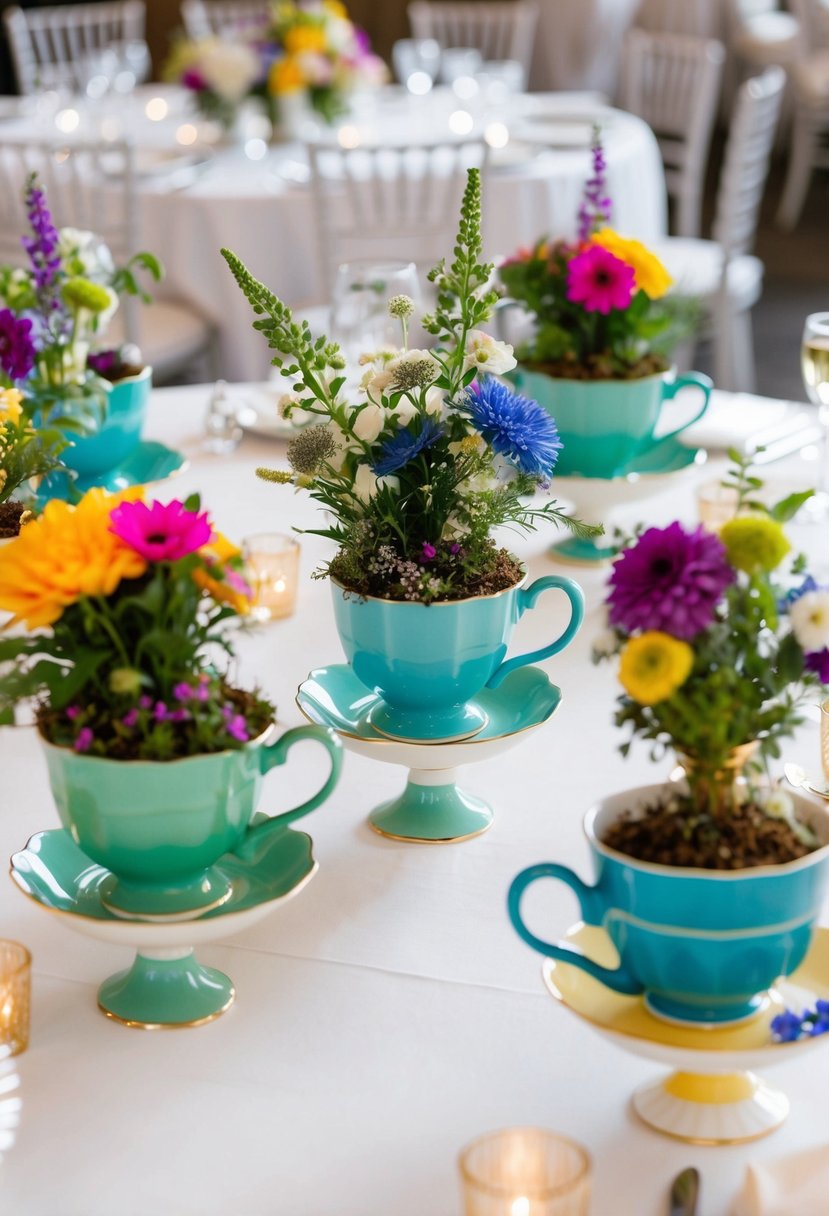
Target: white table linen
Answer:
pixel 386 1015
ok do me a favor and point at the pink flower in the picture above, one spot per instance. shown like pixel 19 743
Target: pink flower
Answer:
pixel 130 718
pixel 84 740
pixel 600 281
pixel 160 532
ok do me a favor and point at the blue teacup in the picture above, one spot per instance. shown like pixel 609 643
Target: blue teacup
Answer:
pixel 428 661
pixel 119 433
pixel 605 424
pixel 703 946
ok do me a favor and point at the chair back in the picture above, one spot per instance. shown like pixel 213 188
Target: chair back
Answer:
pixel 499 29
pixel 62 46
pixel 813 16
pixel 697 18
pixel 746 163
pixel 389 202
pixel 89 185
pixel 672 81
pixel 205 18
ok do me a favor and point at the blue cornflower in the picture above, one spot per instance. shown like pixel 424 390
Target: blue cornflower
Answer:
pixel 514 426
pixel 787 1026
pixel 404 446
pixel 794 594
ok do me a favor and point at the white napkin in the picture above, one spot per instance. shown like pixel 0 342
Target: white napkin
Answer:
pixel 791 1186
pixel 744 421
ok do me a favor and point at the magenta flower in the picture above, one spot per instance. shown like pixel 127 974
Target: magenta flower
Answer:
pixel 160 712
pixel 72 712
pixel 130 718
pixel 84 740
pixel 145 702
pixel 599 281
pixel 17 350
pixel 160 532
pixel 183 691
pixel 179 715
pixel 428 553
pixel 818 662
pixel 235 725
pixel 670 580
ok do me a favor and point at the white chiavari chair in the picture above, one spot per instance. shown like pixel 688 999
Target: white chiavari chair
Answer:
pixel 499 29
pixel 205 18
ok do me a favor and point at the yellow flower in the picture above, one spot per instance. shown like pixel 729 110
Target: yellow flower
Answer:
pixel 65 554
pixel 218 553
pixel 305 39
pixel 651 275
pixel 754 542
pixel 285 76
pixel 10 407
pixel 654 665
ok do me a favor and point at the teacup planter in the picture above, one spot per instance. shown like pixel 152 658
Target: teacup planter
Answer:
pixel 427 662
pixel 605 425
pixel 120 431
pixel 703 947
pixel 159 827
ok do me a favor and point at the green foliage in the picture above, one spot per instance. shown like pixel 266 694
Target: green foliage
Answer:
pixel 27 451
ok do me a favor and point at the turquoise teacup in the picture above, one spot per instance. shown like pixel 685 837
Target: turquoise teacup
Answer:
pixel 119 433
pixel 428 661
pixel 702 946
pixel 605 424
pixel 160 825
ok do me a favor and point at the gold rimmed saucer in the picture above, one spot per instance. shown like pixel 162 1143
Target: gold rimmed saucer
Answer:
pixel 713 1095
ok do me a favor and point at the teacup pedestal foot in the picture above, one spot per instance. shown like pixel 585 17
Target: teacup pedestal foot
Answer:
pixel 577 551
pixel 166 988
pixel 432 810
pixel 711 1108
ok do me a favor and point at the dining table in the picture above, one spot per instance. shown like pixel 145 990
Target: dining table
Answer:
pixel 388 1014
pixel 199 190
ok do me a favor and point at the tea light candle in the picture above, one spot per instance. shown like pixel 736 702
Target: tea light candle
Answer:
pixel 716 504
pixel 824 739
pixel 15 988
pixel 525 1171
pixel 272 561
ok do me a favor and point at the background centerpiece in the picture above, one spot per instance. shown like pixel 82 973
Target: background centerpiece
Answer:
pixel 417 472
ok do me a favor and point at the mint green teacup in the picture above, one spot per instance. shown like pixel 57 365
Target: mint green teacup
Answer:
pixel 160 825
pixel 605 424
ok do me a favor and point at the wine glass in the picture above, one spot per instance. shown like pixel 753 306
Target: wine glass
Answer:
pixel 360 320
pixel 814 362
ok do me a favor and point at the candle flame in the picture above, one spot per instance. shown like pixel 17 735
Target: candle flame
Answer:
pixel 520 1206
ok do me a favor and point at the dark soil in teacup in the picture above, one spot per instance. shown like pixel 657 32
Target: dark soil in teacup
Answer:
pixel 500 572
pixel 600 367
pixel 11 517
pixel 675 834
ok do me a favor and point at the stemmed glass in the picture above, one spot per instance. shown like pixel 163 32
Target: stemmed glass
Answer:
pixel 814 362
pixel 360 319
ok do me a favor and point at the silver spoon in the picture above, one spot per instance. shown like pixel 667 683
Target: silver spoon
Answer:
pixel 796 776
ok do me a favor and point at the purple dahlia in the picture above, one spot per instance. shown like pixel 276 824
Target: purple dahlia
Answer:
pixel 818 662
pixel 670 580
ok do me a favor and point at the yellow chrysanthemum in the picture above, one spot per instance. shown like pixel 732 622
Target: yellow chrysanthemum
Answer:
pixel 305 39
pixel 10 407
pixel 754 542
pixel 336 9
pixel 65 554
pixel 651 275
pixel 218 553
pixel 654 665
pixel 286 76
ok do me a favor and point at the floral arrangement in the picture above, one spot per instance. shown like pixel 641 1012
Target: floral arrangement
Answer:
pixel 54 308
pixel 716 655
pixel 597 302
pixel 310 48
pixel 434 453
pixel 26 452
pixel 790 1026
pixel 126 604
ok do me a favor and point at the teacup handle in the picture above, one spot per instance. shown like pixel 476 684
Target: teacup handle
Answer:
pixel 670 389
pixel 526 599
pixel 277 753
pixel 592 909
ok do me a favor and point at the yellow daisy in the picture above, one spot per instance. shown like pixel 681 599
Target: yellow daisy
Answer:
pixel 305 39
pixel 653 666
pixel 10 407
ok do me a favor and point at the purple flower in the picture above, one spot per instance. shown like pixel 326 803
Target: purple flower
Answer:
pixel 455 549
pixel 104 362
pixel 84 740
pixel 17 350
pixel 595 208
pixel 183 691
pixel 670 580
pixel 429 552
pixel 193 79
pixel 145 702
pixel 160 712
pixel 818 662
pixel 72 712
pixel 42 248
pixel 202 691
pixel 235 725
pixel 179 715
pixel 130 718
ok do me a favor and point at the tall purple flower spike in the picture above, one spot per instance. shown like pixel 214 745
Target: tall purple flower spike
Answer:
pixel 596 206
pixel 42 248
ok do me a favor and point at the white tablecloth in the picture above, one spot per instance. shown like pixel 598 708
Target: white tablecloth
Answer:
pixel 389 1013
pixel 258 209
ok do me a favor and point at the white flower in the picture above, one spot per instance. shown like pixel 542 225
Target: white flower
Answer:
pixel 91 257
pixel 404 411
pixel 810 620
pixel 366 483
pixel 413 369
pixel 369 422
pixel 487 355
pixel 778 805
pixel 229 69
pixel 317 69
pixel 434 401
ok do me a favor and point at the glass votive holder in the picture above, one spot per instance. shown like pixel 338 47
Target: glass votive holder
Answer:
pixel 272 568
pixel 716 505
pixel 824 739
pixel 15 996
pixel 525 1171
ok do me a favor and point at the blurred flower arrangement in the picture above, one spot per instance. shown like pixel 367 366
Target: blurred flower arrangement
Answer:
pixel 54 309
pixel 310 49
pixel 26 452
pixel 127 605
pixel 433 455
pixel 598 303
pixel 714 655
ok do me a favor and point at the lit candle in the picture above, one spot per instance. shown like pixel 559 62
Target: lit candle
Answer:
pixel 272 564
pixel 15 988
pixel 525 1171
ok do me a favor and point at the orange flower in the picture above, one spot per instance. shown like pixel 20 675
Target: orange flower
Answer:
pixel 227 588
pixel 285 76
pixel 64 555
pixel 305 39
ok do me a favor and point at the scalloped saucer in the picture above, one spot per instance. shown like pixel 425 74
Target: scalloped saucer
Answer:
pixel 165 985
pixel 431 810
pixel 713 1097
pixel 149 462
